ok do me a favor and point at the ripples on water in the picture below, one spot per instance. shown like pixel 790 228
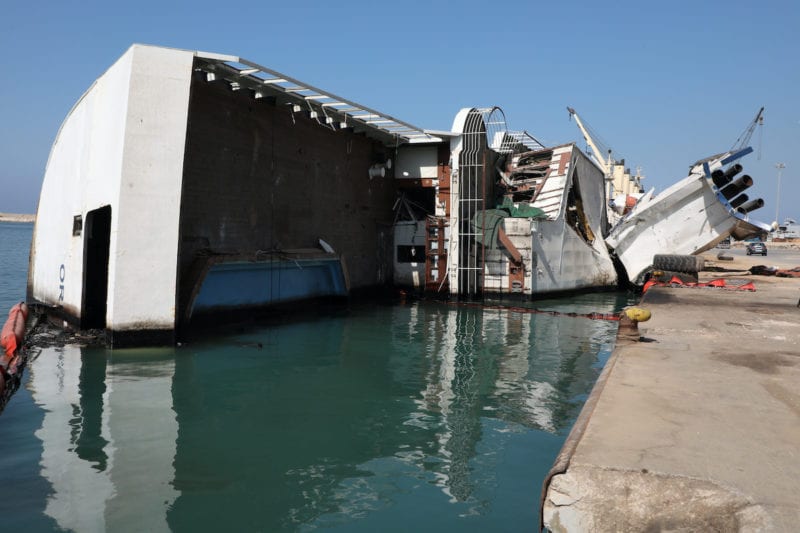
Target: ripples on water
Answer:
pixel 374 417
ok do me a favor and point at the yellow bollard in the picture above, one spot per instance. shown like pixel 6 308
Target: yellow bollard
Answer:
pixel 629 322
pixel 637 314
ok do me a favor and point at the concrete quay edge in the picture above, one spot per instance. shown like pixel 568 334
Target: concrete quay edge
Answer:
pixel 697 428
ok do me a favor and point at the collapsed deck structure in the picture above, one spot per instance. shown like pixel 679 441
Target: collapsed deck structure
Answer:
pixel 183 184
pixel 506 216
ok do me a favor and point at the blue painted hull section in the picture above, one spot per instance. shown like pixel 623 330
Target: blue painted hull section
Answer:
pixel 256 284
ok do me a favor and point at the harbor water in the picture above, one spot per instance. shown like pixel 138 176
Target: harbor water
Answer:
pixel 364 417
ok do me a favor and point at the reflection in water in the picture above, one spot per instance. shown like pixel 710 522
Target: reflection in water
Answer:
pixel 422 414
pixel 454 382
pixel 108 438
pixel 80 492
pixel 87 417
pixel 524 369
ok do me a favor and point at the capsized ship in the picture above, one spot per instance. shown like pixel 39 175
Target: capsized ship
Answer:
pixel 187 185
pixel 689 217
pixel 184 185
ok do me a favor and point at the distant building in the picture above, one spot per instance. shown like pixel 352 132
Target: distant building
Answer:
pixel 789 230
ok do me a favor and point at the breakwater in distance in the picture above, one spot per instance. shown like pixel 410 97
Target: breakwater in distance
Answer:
pixel 361 417
pixel 17 218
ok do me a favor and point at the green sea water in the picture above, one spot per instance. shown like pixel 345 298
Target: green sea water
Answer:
pixel 364 417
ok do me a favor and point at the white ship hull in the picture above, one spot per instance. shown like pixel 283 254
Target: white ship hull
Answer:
pixel 688 218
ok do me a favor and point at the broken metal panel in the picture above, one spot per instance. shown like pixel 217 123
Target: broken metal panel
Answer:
pixel 557 196
pixel 551 197
pixel 558 210
pixel 538 178
pixel 564 250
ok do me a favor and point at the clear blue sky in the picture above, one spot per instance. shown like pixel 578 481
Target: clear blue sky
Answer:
pixel 664 84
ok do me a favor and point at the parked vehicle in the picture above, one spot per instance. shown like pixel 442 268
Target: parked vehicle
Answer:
pixel 756 248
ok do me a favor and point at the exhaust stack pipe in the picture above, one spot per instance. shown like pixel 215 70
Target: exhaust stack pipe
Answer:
pixel 737 186
pixel 718 177
pixel 731 172
pixel 739 200
pixel 722 178
pixel 751 206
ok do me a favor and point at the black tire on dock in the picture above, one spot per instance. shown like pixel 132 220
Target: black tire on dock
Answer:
pixel 665 276
pixel 678 263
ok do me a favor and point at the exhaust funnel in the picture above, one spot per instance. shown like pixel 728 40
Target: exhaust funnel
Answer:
pixel 751 205
pixel 739 200
pixel 736 186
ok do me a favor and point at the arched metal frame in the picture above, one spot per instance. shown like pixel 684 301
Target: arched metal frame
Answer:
pixel 472 197
pixel 483 135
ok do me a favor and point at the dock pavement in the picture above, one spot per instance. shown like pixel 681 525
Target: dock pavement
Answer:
pixel 696 427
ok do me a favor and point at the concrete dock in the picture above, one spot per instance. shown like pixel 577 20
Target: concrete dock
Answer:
pixel 697 426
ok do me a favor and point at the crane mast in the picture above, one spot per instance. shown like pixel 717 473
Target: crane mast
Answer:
pixel 605 164
pixel 618 179
pixel 744 139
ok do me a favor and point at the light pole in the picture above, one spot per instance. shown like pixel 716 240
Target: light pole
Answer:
pixel 780 167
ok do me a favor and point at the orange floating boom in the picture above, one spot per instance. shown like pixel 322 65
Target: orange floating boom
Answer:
pixel 13 331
